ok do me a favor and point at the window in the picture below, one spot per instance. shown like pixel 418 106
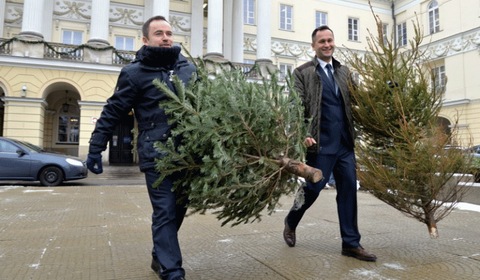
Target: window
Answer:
pixel 433 17
pixel 6 147
pixel 285 70
pixel 439 80
pixel 68 128
pixel 286 14
pixel 72 37
pixel 402 34
pixel 321 18
pixel 124 43
pixel 357 79
pixel 385 33
pixel 249 12
pixel 353 29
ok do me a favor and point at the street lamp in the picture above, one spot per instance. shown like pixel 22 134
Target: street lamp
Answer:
pixel 24 91
pixel 66 106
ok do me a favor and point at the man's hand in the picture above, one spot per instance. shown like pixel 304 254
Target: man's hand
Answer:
pixel 94 163
pixel 309 141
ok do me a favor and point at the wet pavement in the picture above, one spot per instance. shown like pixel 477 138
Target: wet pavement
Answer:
pixel 100 229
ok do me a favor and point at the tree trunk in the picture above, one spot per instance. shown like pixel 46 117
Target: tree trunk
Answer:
pixel 432 228
pixel 301 169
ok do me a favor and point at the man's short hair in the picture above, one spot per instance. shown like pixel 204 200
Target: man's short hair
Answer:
pixel 320 28
pixel 146 25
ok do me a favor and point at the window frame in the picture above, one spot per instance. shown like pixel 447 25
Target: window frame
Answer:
pixel 72 40
pixel 353 29
pixel 321 18
pixel 439 78
pixel 249 12
pixel 286 17
pixel 124 38
pixel 284 69
pixel 402 34
pixel 385 33
pixel 71 136
pixel 433 17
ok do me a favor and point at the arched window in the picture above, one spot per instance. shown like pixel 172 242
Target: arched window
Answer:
pixel 433 17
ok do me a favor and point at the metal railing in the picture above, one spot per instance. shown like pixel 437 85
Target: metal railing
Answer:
pixel 120 57
pixel 5 46
pixel 63 52
pixel 67 52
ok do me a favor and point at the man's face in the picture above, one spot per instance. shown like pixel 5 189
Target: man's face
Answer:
pixel 324 45
pixel 159 35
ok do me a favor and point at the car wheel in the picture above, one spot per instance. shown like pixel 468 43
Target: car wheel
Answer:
pixel 51 176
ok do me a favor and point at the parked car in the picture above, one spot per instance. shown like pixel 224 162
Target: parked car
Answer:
pixel 475 151
pixel 23 161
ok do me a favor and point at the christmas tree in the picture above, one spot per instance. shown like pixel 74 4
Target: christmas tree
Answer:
pixel 236 143
pixel 402 151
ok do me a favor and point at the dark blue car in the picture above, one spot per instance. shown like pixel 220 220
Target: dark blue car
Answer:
pixel 23 161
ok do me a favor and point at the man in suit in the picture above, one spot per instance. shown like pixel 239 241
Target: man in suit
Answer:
pixel 324 85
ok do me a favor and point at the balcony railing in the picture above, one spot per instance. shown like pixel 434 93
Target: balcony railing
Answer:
pixel 63 52
pixel 87 53
pixel 57 51
pixel 5 46
pixel 122 57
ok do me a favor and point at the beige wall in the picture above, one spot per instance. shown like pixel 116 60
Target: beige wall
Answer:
pixel 33 117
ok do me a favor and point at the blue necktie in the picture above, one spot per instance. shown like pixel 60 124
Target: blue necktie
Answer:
pixel 330 75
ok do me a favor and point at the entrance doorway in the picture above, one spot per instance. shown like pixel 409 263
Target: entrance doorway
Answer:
pixel 121 143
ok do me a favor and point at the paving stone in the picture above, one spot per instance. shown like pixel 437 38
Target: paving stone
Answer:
pixel 103 232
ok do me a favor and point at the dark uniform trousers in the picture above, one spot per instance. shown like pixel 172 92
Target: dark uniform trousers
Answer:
pixel 167 218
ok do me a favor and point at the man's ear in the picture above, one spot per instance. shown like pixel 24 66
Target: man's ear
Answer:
pixel 145 40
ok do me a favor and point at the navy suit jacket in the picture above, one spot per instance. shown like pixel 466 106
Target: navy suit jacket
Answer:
pixel 332 125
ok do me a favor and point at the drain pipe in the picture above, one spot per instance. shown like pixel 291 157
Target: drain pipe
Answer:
pixel 394 24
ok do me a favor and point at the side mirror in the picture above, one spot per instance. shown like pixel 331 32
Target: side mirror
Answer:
pixel 20 152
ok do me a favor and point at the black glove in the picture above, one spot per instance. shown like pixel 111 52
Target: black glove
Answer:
pixel 95 160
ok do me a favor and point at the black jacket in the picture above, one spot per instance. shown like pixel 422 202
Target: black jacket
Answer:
pixel 134 90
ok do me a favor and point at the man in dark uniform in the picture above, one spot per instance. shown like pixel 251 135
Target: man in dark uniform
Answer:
pixel 157 59
pixel 324 85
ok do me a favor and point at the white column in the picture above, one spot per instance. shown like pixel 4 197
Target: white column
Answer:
pixel 215 28
pixel 99 23
pixel 196 29
pixel 47 20
pixel 263 30
pixel 32 18
pixel 237 32
pixel 2 17
pixel 227 29
pixel 161 8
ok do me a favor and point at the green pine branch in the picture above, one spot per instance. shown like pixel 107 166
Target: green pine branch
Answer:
pixel 402 150
pixel 229 137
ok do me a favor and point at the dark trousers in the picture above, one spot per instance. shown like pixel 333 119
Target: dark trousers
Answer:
pixel 342 164
pixel 167 218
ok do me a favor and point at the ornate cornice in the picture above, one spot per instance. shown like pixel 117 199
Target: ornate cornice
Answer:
pixel 79 9
pixel 458 43
pixel 132 16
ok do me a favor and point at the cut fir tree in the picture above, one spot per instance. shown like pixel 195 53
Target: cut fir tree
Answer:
pixel 402 153
pixel 235 145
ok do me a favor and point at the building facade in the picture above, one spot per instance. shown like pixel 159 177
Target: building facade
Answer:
pixel 59 60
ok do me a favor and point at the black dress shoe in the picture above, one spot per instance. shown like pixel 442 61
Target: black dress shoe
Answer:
pixel 359 253
pixel 156 267
pixel 289 235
